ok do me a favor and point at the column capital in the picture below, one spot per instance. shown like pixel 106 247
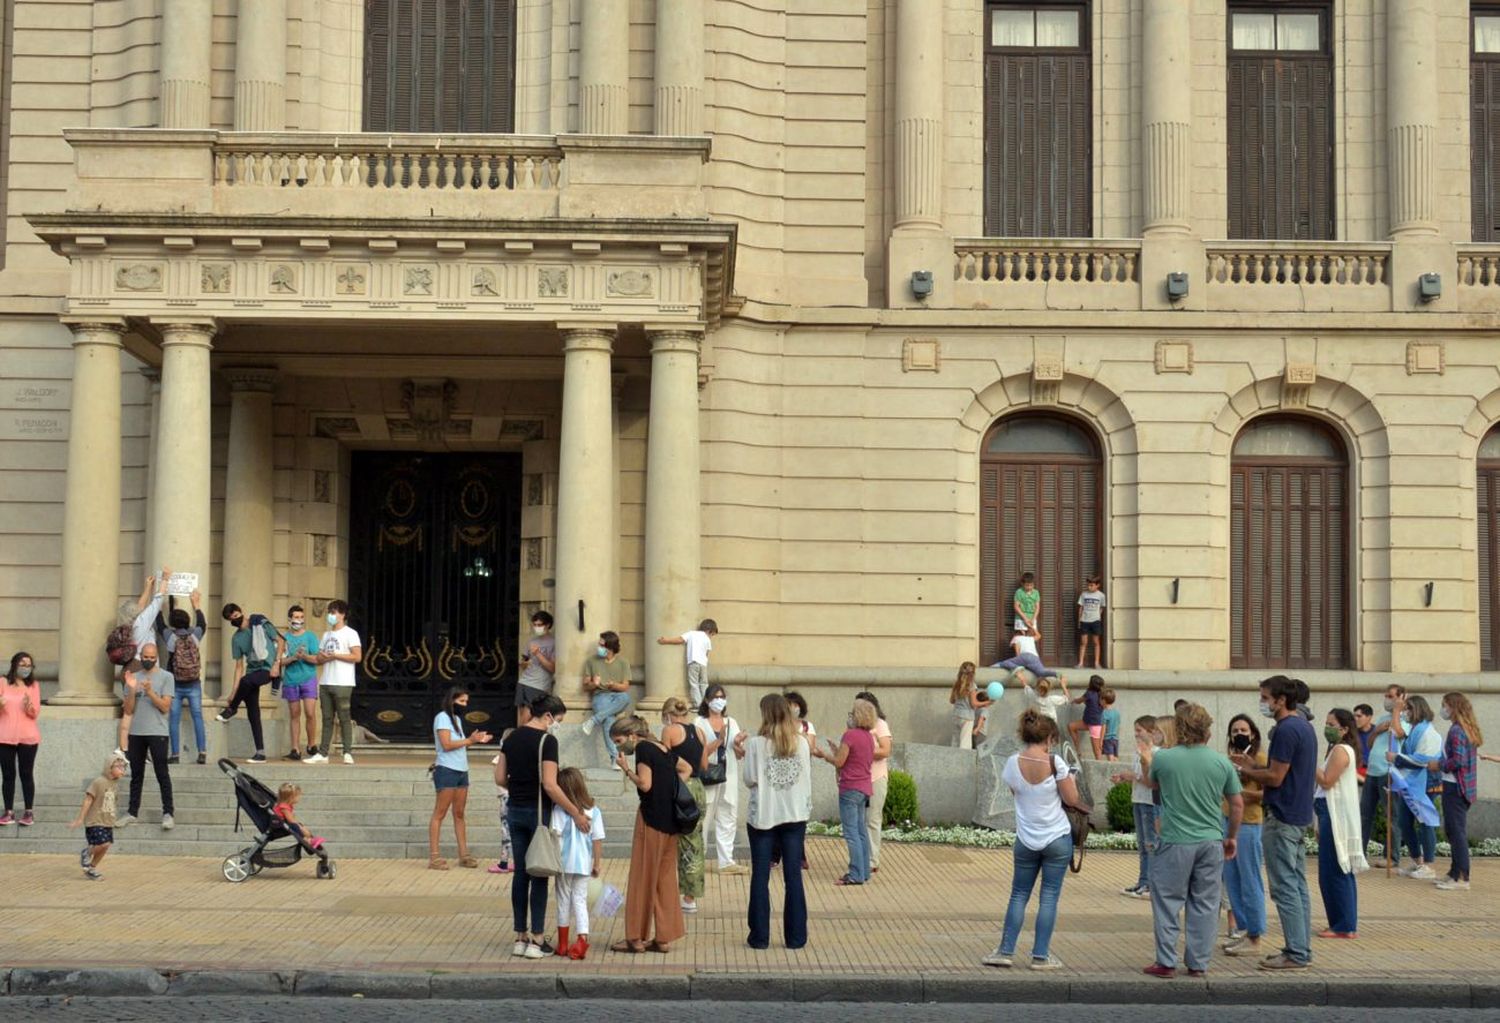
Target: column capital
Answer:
pixel 595 337
pixel 96 331
pixel 675 339
pixel 250 378
pixel 186 331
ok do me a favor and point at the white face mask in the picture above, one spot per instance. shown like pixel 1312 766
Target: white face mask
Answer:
pixel 552 728
pixel 1447 714
pixel 539 630
pixel 1390 704
pixel 717 704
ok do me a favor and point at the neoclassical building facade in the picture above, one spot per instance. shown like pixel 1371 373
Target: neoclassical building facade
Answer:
pixel 823 319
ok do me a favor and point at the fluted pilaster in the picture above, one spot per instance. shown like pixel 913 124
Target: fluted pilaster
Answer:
pixel 1166 113
pixel 260 66
pixel 919 114
pixel 604 70
pixel 1411 115
pixel 186 52
pixel 679 67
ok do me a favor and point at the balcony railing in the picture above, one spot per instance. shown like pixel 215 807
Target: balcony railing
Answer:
pixel 484 163
pixel 1297 263
pixel 1014 260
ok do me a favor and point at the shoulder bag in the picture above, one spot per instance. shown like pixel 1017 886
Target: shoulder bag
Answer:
pixel 685 812
pixel 544 853
pixel 1078 822
pixel 717 773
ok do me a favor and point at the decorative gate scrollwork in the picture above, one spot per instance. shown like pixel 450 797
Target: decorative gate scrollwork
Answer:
pixel 434 586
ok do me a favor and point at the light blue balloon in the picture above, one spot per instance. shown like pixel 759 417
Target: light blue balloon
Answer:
pixel 995 690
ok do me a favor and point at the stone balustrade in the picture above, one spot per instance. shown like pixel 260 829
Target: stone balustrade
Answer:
pixel 1013 260
pixel 1298 263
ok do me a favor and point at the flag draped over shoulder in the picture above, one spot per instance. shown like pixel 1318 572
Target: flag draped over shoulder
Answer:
pixel 1411 785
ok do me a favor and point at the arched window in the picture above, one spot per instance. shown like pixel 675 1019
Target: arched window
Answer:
pixel 1289 546
pixel 1040 511
pixel 440 65
pixel 1489 550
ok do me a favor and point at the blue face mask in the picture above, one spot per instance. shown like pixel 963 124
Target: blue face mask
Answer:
pixel 333 619
pixel 602 651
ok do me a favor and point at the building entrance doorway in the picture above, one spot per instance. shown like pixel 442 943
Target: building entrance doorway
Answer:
pixel 434 586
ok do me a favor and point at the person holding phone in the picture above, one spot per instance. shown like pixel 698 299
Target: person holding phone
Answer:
pixel 1242 877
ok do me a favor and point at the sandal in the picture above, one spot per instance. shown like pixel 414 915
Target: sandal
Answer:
pixel 846 880
pixel 467 861
pixel 656 946
pixel 628 947
pixel 437 863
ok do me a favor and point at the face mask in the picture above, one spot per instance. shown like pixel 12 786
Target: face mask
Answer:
pixel 1406 719
pixel 1332 734
pixel 601 651
pixel 147 663
pixel 849 721
pixel 298 626
pixel 238 621
pixel 1265 710
pixel 1239 743
pixel 1447 714
pixel 539 630
pixel 23 672
pixel 717 704
pixel 1389 703
pixel 333 619
pixel 552 728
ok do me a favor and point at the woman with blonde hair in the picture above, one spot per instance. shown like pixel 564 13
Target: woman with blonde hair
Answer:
pixel 967 700
pixel 683 737
pixel 1460 784
pixel 777 768
pixel 853 757
pixel 653 912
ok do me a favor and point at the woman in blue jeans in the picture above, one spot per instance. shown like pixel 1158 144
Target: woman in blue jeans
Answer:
pixel 1040 782
pixel 853 756
pixel 527 766
pixel 1242 874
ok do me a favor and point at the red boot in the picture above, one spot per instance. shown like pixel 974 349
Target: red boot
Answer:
pixel 580 947
pixel 562 942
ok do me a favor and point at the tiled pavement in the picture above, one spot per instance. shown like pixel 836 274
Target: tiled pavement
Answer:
pixel 931 909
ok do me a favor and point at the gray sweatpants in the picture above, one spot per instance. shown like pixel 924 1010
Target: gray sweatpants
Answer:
pixel 697 680
pixel 1186 878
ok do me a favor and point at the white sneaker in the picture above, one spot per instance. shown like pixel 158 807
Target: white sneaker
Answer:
pixel 316 758
pixel 689 906
pixel 534 951
pixel 125 821
pixel 1049 963
pixel 518 949
pixel 996 958
pixel 1450 885
pixel 348 758
pixel 587 728
pixel 167 823
pixel 1423 873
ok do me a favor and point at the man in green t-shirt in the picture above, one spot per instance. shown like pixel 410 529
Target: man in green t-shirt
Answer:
pixel 1027 603
pixel 1187 871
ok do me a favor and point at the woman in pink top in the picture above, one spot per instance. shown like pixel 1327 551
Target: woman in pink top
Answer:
pixel 20 703
pixel 880 778
pixel 853 756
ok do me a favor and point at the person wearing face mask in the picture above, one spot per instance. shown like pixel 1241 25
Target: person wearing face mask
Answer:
pixel 1458 766
pixel 653 912
pixel 1415 744
pixel 1378 775
pixel 299 684
pixel 338 653
pixel 182 639
pixel 1336 803
pixel 256 648
pixel 722 817
pixel 148 698
pixel 1242 875
pixel 538 662
pixel 20 736
pixel 606 676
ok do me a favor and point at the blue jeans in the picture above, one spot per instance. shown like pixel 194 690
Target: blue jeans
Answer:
pixel 1052 864
pixel 1340 895
pixel 1247 892
pixel 1420 839
pixel 852 811
pixel 1285 850
pixel 1145 839
pixel 525 890
pixel 786 841
pixel 190 693
pixel 606 706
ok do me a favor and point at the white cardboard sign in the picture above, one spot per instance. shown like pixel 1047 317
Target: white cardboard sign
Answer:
pixel 182 584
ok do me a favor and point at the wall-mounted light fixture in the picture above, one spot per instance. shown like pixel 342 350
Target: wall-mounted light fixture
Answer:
pixel 1176 586
pixel 921 284
pixel 581 627
pixel 1177 285
pixel 1427 595
pixel 1430 287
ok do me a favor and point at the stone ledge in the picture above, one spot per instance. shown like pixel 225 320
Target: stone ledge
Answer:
pixel 367 984
pixel 107 983
pixel 199 983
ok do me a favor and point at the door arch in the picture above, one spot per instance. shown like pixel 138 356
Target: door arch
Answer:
pixel 1040 511
pixel 1289 545
pixel 1488 490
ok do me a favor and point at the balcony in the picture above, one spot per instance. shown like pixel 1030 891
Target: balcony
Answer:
pixel 363 175
pixel 1046 273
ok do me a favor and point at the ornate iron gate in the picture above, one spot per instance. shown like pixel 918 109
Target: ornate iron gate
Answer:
pixel 434 587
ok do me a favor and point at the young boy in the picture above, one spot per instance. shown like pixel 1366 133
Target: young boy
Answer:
pixel 1111 747
pixel 1090 619
pixel 1028 605
pixel 697 644
pixel 1143 803
pixel 97 815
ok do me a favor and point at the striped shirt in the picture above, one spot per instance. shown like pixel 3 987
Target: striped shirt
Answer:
pixel 578 848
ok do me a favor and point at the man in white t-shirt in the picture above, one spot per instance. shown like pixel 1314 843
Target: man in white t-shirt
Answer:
pixel 697 643
pixel 338 653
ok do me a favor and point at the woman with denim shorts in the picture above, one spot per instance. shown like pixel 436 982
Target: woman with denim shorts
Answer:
pixel 450 776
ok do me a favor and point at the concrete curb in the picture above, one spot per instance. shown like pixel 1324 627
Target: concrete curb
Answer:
pixel 999 987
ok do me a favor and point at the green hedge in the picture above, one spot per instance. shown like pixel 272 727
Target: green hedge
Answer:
pixel 1121 813
pixel 901 809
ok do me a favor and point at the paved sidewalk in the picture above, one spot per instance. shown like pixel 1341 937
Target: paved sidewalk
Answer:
pixel 931 912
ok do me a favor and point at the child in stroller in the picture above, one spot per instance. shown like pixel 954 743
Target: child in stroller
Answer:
pixel 274 818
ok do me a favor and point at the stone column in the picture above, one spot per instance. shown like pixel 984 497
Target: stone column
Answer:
pixel 603 68
pixel 186 52
pixel 673 522
pixel 919 114
pixel 679 67
pixel 260 66
pixel 153 390
pixel 180 481
pixel 586 562
pixel 90 589
pixel 1411 114
pixel 1167 115
pixel 249 498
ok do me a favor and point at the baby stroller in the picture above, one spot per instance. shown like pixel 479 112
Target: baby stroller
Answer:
pixel 259 804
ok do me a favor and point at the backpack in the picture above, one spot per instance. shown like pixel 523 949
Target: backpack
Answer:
pixel 187 666
pixel 120 646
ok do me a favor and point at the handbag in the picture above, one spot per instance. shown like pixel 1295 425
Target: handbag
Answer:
pixel 717 773
pixel 1080 825
pixel 685 813
pixel 544 853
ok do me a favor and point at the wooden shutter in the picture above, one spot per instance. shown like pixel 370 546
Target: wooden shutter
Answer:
pixel 990 601
pixel 1038 129
pixel 1484 129
pixel 439 65
pixel 1489 566
pixel 1281 147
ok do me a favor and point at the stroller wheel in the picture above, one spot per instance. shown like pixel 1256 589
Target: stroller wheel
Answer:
pixel 237 868
pixel 256 866
pixel 326 870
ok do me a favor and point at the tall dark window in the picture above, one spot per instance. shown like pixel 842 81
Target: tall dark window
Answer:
pixel 440 65
pixel 1489 551
pixel 1280 123
pixel 1484 124
pixel 1289 546
pixel 1037 123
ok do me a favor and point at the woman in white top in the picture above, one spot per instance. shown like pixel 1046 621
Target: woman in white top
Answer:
pixel 776 764
pixel 1040 781
pixel 721 818
pixel 1336 803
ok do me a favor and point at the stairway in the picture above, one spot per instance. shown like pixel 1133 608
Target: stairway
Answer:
pixel 377 808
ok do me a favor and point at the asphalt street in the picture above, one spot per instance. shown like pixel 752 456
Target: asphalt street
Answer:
pixel 356 1010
